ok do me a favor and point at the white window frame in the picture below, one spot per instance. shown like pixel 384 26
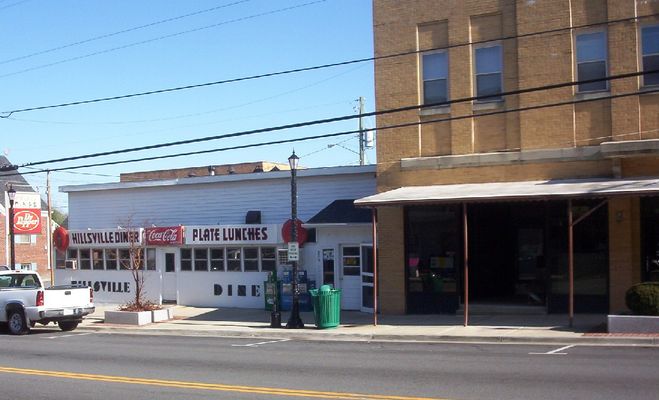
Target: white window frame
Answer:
pixel 21 238
pixel 344 256
pixel 475 73
pixel 642 55
pixel 423 76
pixel 577 63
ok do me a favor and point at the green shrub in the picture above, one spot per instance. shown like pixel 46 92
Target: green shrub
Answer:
pixel 643 298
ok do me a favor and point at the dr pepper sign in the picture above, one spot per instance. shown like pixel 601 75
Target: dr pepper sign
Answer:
pixel 27 213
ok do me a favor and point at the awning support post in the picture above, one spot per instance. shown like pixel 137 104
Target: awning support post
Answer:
pixel 374 213
pixel 466 264
pixel 570 272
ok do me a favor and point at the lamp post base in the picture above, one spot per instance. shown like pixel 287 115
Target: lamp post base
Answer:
pixel 275 319
pixel 295 322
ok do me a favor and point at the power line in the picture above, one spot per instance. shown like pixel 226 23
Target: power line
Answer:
pixel 312 68
pixel 13 4
pixel 107 35
pixel 280 10
pixel 335 134
pixel 331 120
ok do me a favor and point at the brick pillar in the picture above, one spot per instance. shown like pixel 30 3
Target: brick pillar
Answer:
pixel 624 249
pixel 391 261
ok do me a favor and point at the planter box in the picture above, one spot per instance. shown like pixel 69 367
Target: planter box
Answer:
pixel 162 315
pixel 128 317
pixel 633 324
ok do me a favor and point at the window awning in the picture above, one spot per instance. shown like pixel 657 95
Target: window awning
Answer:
pixel 512 191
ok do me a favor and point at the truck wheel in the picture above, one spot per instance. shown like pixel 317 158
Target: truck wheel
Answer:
pixel 67 326
pixel 17 324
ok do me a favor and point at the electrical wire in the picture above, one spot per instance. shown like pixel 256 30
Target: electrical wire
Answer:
pixel 335 134
pixel 133 44
pixel 107 35
pixel 331 120
pixel 312 68
pixel 13 4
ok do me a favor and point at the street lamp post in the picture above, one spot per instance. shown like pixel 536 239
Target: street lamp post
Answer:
pixel 294 322
pixel 11 193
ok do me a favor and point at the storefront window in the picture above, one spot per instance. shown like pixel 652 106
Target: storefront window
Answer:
pixel 201 259
pixel 124 259
pixel 217 259
pixel 186 259
pixel 251 259
pixel 268 259
pixel 234 256
pixel 350 256
pixel 97 259
pixel 72 254
pixel 85 260
pixel 151 259
pixel 111 259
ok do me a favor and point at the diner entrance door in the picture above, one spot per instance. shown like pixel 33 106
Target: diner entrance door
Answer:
pixel 169 280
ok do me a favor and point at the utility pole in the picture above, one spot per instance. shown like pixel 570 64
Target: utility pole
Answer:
pixel 362 135
pixel 49 234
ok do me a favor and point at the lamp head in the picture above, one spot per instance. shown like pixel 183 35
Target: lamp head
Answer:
pixel 293 161
pixel 11 193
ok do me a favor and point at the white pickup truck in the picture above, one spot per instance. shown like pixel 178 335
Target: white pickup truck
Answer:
pixel 24 302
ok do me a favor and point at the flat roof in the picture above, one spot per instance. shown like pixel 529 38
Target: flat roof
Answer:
pixel 511 191
pixel 301 173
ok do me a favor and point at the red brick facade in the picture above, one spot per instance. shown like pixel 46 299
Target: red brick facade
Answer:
pixel 35 252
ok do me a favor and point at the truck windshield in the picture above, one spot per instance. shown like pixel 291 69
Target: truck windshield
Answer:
pixel 19 281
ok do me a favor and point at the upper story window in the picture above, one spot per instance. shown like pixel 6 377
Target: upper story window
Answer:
pixel 435 77
pixel 488 71
pixel 591 60
pixel 650 51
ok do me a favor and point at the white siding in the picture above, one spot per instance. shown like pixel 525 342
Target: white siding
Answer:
pixel 212 203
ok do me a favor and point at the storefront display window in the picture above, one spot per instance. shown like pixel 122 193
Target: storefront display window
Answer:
pixel 201 259
pixel 251 259
pixel 151 259
pixel 111 259
pixel 217 259
pixel 186 259
pixel 432 256
pixel 268 259
pixel 234 256
pixel 97 259
pixel 124 259
pixel 85 259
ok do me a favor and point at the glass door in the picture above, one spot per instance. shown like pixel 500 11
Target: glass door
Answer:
pixel 367 277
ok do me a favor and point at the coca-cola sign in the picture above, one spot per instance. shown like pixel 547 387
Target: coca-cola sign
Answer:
pixel 164 236
pixel 27 221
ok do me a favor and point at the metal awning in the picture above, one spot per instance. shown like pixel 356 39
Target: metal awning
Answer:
pixel 512 191
pixel 463 194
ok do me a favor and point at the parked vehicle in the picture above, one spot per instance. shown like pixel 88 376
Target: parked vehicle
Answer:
pixel 25 302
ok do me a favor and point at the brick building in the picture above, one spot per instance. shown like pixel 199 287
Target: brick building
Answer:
pixel 477 199
pixel 31 250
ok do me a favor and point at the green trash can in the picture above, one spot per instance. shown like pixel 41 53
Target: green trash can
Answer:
pixel 326 306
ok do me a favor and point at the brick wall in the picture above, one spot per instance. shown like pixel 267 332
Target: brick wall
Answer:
pixel 533 61
pixel 27 252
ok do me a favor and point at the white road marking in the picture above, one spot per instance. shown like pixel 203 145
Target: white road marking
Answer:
pixel 64 336
pixel 556 351
pixel 260 343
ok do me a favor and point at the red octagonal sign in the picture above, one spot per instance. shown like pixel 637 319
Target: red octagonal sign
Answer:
pixel 287 234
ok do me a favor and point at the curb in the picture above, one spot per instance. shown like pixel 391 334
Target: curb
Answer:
pixel 318 335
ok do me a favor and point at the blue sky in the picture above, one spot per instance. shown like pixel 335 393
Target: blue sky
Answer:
pixel 250 37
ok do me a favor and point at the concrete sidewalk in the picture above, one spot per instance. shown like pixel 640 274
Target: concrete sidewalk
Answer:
pixel 357 326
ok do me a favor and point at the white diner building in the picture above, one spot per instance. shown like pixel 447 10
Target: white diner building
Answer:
pixel 210 241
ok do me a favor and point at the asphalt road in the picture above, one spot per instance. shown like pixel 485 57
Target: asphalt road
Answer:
pixel 49 364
